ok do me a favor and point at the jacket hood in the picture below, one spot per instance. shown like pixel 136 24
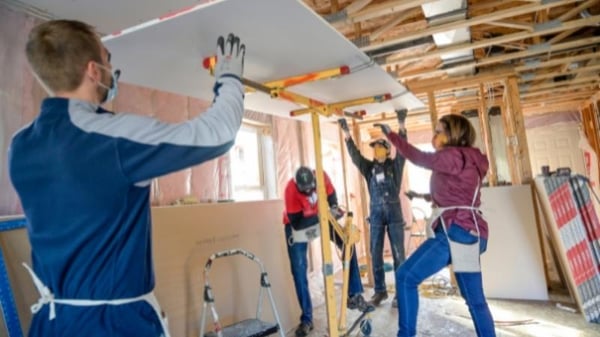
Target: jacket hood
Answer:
pixel 475 156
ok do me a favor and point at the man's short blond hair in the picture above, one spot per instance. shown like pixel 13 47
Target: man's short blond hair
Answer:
pixel 58 51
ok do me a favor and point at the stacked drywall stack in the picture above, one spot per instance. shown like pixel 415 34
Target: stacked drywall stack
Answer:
pixel 575 232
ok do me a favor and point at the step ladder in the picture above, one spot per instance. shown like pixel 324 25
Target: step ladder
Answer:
pixel 253 327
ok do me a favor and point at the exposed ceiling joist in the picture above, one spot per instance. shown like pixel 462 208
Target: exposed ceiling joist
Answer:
pixel 575 11
pixel 555 91
pixel 457 83
pixel 583 80
pixel 512 24
pixel 334 5
pixel 553 74
pixel 557 61
pixel 374 11
pixel 533 50
pixel 502 14
pixel 558 27
pixel 394 22
pixel 554 98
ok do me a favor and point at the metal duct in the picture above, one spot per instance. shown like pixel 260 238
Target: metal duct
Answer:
pixel 444 11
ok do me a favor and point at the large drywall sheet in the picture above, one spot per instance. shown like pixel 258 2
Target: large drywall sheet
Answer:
pixel 512 266
pixel 283 38
pixel 184 238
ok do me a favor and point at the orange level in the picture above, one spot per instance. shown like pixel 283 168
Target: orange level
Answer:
pixel 276 89
pixel 209 63
pixel 337 108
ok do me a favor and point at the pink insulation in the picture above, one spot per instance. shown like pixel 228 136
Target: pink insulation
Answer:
pixel 20 96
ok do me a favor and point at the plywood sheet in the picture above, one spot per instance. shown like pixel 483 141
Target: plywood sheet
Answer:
pixel 512 266
pixel 283 38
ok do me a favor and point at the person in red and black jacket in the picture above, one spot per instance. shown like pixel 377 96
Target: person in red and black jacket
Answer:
pixel 301 212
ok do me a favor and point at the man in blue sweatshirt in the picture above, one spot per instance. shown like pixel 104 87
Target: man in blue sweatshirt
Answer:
pixel 83 176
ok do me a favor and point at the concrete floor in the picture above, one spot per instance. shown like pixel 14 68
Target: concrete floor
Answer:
pixel 442 313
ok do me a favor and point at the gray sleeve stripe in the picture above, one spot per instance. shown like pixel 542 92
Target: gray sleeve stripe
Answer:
pixel 215 126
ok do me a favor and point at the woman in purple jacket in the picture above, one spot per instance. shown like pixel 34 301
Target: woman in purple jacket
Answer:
pixel 458 234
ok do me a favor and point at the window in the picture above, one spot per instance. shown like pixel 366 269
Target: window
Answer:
pixel 418 179
pixel 252 164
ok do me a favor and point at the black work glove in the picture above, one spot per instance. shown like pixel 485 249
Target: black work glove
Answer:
pixel 384 128
pixel 337 212
pixel 344 125
pixel 401 115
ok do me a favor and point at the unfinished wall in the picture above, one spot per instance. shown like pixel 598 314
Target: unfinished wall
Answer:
pixel 20 97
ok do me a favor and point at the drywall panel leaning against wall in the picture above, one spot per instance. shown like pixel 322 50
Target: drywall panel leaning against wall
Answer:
pixel 185 236
pixel 512 266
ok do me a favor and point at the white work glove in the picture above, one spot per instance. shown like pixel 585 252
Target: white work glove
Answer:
pixel 230 57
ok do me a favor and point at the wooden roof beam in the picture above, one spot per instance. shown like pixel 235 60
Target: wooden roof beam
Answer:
pixel 502 14
pixel 585 86
pixel 512 24
pixel 555 98
pixel 588 79
pixel 335 6
pixel 571 13
pixel 533 50
pixel 373 11
pixel 467 46
pixel 575 11
pixel 394 22
pixel 458 83
pixel 538 76
pixel 540 18
pixel 556 61
pixel 555 107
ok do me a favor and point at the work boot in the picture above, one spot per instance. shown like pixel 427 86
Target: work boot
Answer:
pixel 304 329
pixel 379 297
pixel 395 302
pixel 358 302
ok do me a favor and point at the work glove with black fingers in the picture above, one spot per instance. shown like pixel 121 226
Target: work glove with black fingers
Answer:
pixel 401 115
pixel 384 128
pixel 344 126
pixel 230 57
pixel 336 212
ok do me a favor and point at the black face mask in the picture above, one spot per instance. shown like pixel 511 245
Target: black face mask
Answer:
pixel 308 190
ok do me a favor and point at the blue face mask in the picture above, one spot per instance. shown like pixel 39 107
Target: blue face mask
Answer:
pixel 111 92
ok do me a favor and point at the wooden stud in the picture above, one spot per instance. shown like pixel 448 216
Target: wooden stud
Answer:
pixel 432 109
pixel 366 239
pixel 486 135
pixel 515 132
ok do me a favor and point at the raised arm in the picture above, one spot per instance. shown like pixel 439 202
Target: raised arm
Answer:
pixel 362 163
pixel 148 148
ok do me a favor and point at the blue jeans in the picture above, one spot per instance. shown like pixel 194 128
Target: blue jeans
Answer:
pixel 429 258
pixel 385 217
pixel 299 264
